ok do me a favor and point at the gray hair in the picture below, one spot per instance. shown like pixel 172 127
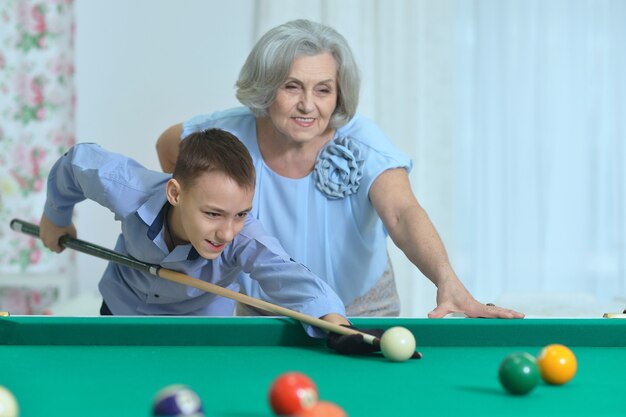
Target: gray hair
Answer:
pixel 269 62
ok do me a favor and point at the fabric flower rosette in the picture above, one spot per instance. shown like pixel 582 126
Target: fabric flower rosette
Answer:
pixel 339 168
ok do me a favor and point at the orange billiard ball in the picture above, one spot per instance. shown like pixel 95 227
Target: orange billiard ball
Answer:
pixel 323 409
pixel 557 364
pixel 291 393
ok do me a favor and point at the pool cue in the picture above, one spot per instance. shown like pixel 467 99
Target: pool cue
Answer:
pixel 180 278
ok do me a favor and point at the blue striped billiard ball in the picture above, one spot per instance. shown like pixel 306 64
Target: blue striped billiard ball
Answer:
pixel 177 401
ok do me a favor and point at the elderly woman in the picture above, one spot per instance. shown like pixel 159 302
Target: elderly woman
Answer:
pixel 330 185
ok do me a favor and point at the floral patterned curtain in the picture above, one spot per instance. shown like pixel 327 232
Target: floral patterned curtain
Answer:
pixel 36 127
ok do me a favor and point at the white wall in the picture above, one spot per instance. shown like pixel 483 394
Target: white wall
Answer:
pixel 142 66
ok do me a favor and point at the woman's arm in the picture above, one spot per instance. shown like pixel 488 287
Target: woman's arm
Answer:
pixel 412 231
pixel 167 147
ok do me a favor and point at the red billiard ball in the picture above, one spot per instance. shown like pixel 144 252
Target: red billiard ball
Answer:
pixel 323 409
pixel 292 392
pixel 177 401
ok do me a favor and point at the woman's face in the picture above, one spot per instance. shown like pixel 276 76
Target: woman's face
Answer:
pixel 307 99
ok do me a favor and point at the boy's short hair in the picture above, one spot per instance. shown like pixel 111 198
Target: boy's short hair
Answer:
pixel 214 150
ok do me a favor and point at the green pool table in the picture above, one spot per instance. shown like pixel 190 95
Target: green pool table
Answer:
pixel 113 366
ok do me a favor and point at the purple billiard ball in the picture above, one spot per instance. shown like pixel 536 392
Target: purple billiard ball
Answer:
pixel 177 401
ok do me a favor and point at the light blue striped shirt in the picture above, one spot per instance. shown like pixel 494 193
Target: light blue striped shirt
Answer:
pixel 136 196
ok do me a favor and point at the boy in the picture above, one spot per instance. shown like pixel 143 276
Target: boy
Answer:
pixel 194 221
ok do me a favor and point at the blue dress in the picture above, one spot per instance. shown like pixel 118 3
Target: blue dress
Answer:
pixel 324 220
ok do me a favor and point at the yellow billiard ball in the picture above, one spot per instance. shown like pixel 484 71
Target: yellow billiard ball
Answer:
pixel 557 363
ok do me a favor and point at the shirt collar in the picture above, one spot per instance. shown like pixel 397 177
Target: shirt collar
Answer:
pixel 152 213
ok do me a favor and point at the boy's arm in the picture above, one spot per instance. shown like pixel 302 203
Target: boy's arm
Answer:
pixel 282 280
pixel 63 193
pixel 292 285
pixel 87 171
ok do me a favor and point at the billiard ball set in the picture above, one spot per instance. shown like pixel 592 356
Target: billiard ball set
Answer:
pixel 521 372
pixel 295 394
pixel 291 394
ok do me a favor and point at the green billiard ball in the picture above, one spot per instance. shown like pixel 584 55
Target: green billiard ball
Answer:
pixel 519 373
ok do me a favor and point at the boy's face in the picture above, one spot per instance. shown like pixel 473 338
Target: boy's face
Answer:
pixel 210 212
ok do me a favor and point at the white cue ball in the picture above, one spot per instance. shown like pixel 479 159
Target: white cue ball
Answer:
pixel 8 403
pixel 397 344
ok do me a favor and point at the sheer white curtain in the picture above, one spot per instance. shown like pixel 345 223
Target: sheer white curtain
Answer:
pixel 513 112
pixel 540 150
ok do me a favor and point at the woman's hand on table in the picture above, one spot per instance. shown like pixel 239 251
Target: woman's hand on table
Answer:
pixel 453 297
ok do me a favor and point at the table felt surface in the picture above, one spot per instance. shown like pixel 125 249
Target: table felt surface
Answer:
pixel 113 366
